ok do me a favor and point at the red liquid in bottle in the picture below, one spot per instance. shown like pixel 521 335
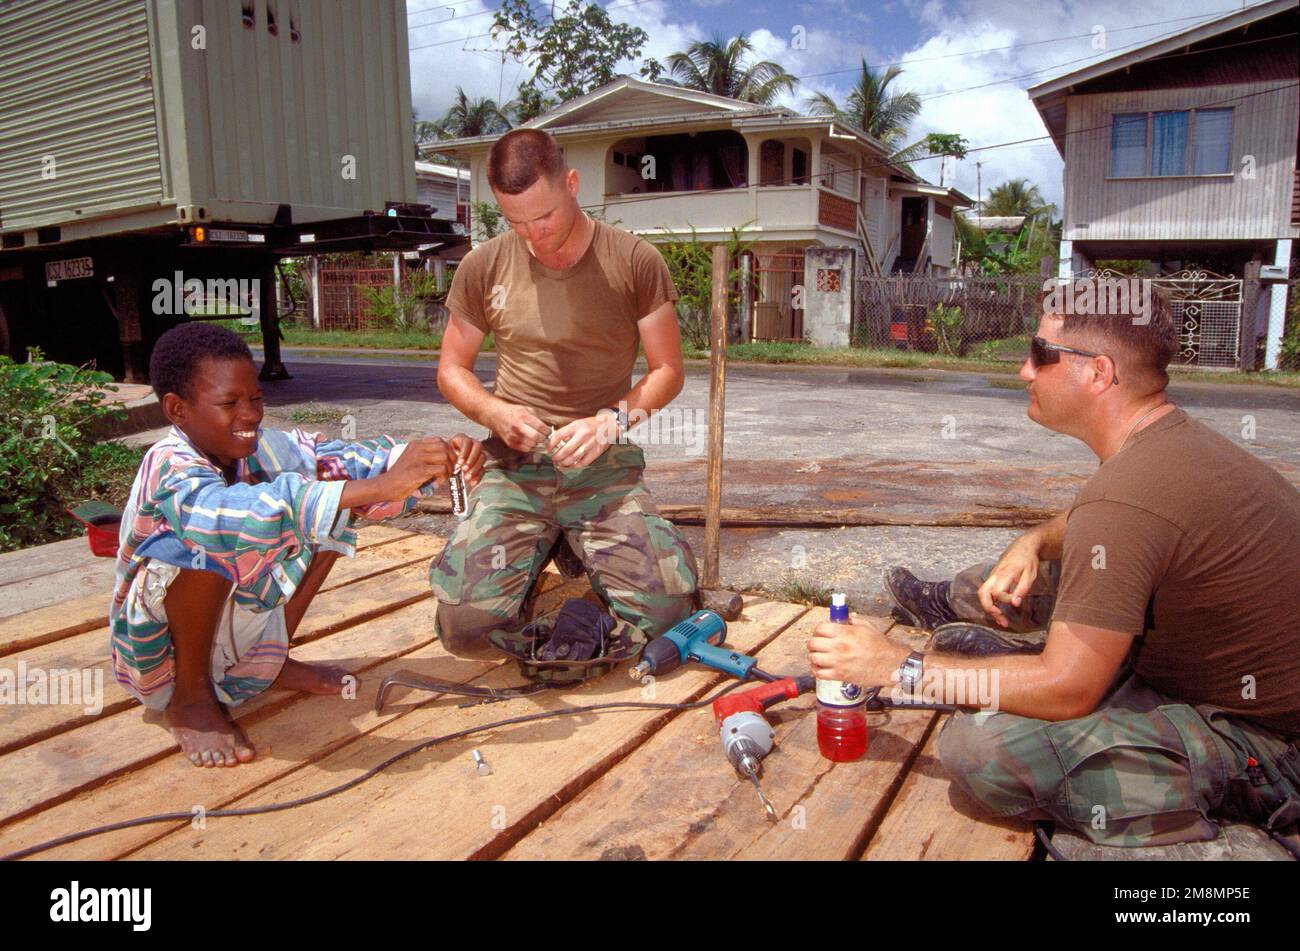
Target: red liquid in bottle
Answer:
pixel 841 733
pixel 841 724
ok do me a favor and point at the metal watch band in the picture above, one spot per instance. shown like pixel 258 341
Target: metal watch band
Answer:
pixel 910 670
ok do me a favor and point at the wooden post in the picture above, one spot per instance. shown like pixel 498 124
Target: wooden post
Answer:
pixel 1250 291
pixel 717 384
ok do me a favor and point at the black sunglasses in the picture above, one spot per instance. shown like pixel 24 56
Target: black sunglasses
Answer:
pixel 1042 353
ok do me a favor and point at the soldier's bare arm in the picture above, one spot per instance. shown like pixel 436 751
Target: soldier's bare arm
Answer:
pixel 517 425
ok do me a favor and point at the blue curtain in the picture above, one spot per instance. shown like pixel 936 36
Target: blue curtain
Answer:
pixel 1128 145
pixel 1169 143
pixel 1212 141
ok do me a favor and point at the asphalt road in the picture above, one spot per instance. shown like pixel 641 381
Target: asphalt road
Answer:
pixel 792 432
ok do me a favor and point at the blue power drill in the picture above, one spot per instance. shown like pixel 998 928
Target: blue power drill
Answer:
pixel 698 638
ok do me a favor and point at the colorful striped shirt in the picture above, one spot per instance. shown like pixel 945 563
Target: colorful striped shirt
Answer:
pixel 258 531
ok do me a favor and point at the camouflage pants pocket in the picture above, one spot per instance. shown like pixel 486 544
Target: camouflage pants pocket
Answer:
pixel 1138 778
pixel 639 563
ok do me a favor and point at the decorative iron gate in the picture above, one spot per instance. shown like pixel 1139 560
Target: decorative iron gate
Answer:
pixel 344 297
pixel 1207 309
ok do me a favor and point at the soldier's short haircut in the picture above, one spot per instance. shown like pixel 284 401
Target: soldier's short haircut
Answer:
pixel 522 157
pixel 1136 330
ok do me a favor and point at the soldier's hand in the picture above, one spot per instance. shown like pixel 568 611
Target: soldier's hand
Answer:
pixel 579 443
pixel 469 456
pixel 1010 581
pixel 519 427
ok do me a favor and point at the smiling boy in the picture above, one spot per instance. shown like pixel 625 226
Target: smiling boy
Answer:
pixel 229 532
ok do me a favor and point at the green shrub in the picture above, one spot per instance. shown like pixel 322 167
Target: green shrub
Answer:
pixel 49 459
pixel 405 308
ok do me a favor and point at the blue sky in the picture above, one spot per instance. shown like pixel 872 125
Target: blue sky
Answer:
pixel 952 52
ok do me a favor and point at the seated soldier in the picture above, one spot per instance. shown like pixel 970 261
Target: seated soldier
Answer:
pixel 229 532
pixel 1165 691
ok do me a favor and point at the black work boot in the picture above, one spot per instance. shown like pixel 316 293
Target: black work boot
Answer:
pixel 976 640
pixel 922 604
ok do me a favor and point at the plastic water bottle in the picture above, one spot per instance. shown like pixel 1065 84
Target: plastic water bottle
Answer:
pixel 841 722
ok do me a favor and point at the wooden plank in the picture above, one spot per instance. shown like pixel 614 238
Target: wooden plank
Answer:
pixel 67 763
pixel 1238 843
pixel 679 797
pixel 287 738
pixel 386 547
pixel 333 610
pixel 94 578
pixel 27 563
pixel 434 805
pixel 931 818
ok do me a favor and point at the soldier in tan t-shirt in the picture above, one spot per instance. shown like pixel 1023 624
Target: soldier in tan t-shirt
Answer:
pixel 568 300
pixel 1166 692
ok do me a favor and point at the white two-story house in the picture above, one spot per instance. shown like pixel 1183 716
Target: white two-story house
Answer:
pixel 659 161
pixel 1182 153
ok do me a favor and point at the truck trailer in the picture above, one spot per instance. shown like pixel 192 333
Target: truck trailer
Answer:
pixel 158 158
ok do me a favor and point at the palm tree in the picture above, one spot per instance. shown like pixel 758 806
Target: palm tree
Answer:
pixel 718 66
pixel 470 117
pixel 872 106
pixel 1017 197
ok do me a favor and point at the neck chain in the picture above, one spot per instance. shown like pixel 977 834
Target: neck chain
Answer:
pixel 1134 427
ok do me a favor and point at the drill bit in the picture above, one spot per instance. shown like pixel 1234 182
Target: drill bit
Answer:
pixel 752 773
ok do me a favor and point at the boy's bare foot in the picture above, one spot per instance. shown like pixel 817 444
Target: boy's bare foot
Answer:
pixel 206 735
pixel 310 678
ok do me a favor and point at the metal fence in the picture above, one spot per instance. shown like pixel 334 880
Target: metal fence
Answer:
pixel 950 315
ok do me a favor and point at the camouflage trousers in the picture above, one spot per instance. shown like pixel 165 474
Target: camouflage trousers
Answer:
pixel 1141 769
pixel 637 561
pixel 1032 615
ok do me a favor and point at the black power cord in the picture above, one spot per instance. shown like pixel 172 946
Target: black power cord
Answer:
pixel 368 774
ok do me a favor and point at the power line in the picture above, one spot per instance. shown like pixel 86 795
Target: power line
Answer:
pixel 1016 46
pixel 885 163
pixel 475 36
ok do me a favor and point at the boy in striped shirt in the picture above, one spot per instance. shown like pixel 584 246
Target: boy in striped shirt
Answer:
pixel 228 534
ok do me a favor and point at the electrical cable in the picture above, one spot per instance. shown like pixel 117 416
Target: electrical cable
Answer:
pixel 623 705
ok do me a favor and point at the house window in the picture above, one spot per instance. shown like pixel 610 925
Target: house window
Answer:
pixel 1169 143
pixel 838 177
pixel 1173 142
pixel 799 166
pixel 1212 142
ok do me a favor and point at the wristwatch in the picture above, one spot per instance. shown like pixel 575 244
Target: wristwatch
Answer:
pixel 910 670
pixel 620 417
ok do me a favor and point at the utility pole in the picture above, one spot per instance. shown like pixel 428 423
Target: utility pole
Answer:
pixel 979 189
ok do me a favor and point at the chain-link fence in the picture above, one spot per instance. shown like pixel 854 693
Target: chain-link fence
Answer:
pixel 948 315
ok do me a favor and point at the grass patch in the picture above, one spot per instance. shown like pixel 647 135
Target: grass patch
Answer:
pixel 802 591
pixel 312 413
pixel 1001 357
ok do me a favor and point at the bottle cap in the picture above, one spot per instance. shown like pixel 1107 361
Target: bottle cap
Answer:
pixel 839 599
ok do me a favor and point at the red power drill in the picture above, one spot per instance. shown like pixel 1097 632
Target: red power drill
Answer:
pixel 745 733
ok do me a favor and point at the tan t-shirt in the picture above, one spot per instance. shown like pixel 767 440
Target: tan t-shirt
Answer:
pixel 566 340
pixel 1187 540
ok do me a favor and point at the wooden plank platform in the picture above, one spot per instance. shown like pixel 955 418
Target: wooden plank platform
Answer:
pixel 627 784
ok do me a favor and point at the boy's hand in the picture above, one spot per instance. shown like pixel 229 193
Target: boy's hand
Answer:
pixel 422 461
pixel 469 456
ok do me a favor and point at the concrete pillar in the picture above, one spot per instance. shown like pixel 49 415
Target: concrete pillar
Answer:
pixel 746 298
pixel 440 273
pixel 828 295
pixel 313 276
pixel 1277 308
pixel 1065 260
